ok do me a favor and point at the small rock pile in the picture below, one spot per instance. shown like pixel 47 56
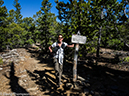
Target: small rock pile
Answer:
pixel 14 55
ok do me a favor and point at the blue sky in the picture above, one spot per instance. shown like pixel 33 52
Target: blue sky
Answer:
pixel 30 7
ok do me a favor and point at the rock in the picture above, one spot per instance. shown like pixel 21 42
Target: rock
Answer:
pixel 64 80
pixel 7 57
pixel 22 59
pixel 32 89
pixel 81 78
pixel 69 85
pixel 24 80
pixel 44 78
pixel 1 68
pixel 22 71
pixel 11 56
pixel 22 76
pixel 21 82
pixel 14 50
pixel 16 61
pixel 14 53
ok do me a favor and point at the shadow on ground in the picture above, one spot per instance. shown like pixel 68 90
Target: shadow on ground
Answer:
pixel 15 87
pixel 96 80
pixel 103 80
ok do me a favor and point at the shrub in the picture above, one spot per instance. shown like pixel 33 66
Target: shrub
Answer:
pixel 126 59
pixel 1 61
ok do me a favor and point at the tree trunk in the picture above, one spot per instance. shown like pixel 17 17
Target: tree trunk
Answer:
pixel 99 41
pixel 99 38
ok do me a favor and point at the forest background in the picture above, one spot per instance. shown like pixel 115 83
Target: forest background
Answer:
pixel 103 22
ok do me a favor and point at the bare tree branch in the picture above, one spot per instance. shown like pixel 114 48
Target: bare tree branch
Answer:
pixel 125 9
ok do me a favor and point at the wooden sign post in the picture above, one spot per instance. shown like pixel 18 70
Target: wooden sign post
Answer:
pixel 78 39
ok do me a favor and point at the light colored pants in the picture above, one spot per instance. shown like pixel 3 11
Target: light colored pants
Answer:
pixel 58 70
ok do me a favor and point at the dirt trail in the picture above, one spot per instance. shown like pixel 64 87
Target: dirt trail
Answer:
pixel 30 77
pixel 35 76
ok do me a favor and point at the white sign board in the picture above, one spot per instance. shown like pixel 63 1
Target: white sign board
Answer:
pixel 78 39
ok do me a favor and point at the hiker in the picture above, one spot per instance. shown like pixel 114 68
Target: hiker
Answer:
pixel 58 57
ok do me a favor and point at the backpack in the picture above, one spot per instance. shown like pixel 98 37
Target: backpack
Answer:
pixel 57 47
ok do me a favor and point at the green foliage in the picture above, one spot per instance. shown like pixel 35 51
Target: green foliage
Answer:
pixel 14 36
pixel 114 42
pixel 3 24
pixel 97 20
pixel 29 27
pixel 103 22
pixel 17 14
pixel 30 41
pixel 1 61
pixel 46 24
pixel 126 59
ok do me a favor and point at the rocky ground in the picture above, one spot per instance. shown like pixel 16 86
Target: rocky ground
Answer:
pixel 25 72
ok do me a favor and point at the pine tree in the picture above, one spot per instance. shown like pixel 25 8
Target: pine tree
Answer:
pixel 18 15
pixel 94 19
pixel 11 16
pixel 105 18
pixel 75 17
pixel 3 25
pixel 45 23
pixel 15 32
pixel 28 35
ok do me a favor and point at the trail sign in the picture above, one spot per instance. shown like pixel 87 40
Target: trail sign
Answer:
pixel 78 39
